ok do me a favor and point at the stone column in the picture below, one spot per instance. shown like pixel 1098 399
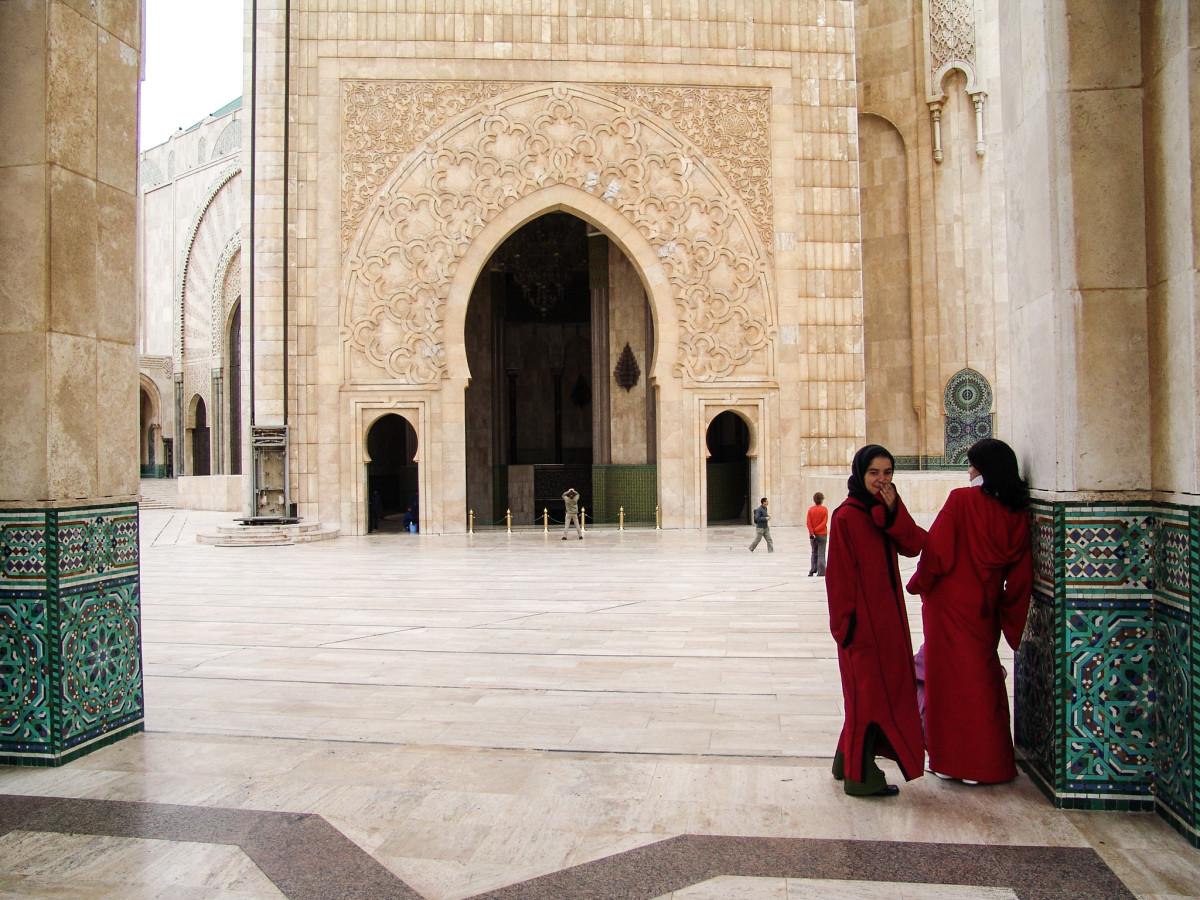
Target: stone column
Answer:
pixel 70 641
pixel 1101 229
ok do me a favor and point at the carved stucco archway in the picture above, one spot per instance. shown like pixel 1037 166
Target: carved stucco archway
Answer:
pixel 695 240
pixel 432 209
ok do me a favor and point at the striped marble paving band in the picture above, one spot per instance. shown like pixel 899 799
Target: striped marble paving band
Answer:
pixel 307 858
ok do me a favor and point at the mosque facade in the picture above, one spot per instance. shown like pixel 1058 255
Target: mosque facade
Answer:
pixel 684 254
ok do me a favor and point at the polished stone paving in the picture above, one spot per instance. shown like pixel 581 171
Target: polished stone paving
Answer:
pixel 640 714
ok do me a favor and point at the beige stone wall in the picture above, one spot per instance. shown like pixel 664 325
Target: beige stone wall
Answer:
pixel 626 325
pixel 887 288
pixel 948 217
pixel 68 180
pixel 191 205
pixel 1171 81
pixel 1073 112
pixel 794 222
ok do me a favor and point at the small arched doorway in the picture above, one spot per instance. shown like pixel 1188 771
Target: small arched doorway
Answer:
pixel 233 364
pixel 201 436
pixel 148 436
pixel 727 470
pixel 392 471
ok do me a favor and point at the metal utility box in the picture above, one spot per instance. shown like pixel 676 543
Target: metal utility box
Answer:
pixel 272 499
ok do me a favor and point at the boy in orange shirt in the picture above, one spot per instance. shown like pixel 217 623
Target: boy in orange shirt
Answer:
pixel 818 534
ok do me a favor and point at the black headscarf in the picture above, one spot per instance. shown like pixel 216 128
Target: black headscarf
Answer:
pixel 996 462
pixel 858 469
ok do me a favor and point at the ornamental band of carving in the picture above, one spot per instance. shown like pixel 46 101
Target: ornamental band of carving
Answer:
pixel 384 121
pixel 951 32
pixel 417 226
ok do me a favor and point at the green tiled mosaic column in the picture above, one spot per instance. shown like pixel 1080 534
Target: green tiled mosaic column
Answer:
pixel 70 632
pixel 1106 681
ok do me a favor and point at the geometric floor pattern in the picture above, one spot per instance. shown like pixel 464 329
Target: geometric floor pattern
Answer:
pixel 307 859
pixel 639 714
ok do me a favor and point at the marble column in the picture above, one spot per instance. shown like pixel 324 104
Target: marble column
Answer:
pixel 70 641
pixel 1102 278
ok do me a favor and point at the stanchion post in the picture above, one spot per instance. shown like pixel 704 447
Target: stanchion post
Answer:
pixel 545 520
pixel 621 518
pixel 508 520
pixel 470 521
pixel 582 519
pixel 657 519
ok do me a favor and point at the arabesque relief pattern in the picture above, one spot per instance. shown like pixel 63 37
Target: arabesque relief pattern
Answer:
pixel 732 127
pixel 423 220
pixel 384 121
pixel 951 32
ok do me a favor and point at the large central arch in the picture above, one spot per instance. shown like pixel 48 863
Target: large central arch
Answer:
pixel 425 238
pixel 432 210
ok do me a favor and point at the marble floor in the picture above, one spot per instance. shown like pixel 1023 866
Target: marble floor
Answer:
pixel 641 714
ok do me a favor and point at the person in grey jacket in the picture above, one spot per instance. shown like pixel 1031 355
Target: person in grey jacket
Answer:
pixel 571 512
pixel 761 528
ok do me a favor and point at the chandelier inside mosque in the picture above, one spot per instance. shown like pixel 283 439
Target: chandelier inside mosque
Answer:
pixel 536 258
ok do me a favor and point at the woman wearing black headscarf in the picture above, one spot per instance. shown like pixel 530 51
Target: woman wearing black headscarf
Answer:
pixel 975 578
pixel 868 618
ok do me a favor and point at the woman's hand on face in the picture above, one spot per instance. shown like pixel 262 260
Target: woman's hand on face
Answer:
pixel 887 494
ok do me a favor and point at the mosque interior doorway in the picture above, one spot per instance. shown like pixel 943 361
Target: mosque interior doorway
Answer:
pixel 550 317
pixel 529 348
pixel 200 437
pixel 727 470
pixel 392 470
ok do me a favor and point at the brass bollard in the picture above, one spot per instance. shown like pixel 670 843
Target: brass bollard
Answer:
pixel 621 518
pixel 545 520
pixel 508 520
pixel 657 519
pixel 582 519
pixel 471 521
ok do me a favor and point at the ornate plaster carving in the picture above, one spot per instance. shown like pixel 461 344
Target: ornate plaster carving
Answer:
pixel 424 217
pixel 206 252
pixel 732 127
pixel 230 139
pixel 384 121
pixel 951 32
pixel 152 175
pixel 949 45
pixel 226 288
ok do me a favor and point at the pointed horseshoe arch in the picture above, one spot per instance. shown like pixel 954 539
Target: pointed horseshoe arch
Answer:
pixel 589 149
pixel 561 198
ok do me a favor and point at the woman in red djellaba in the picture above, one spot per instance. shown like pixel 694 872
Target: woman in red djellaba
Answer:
pixel 868 618
pixel 975 578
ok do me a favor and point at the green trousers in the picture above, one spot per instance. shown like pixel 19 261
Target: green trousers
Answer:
pixel 873 781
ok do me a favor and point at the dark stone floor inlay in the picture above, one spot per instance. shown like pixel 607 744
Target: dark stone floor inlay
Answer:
pixel 308 859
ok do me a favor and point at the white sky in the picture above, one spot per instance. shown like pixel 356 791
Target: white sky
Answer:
pixel 193 64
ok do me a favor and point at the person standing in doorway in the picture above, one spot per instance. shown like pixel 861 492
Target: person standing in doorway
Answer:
pixel 818 534
pixel 571 513
pixel 761 528
pixel 374 511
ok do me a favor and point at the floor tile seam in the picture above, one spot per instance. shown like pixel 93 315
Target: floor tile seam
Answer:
pixel 757 759
pixel 565 654
pixel 473 688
